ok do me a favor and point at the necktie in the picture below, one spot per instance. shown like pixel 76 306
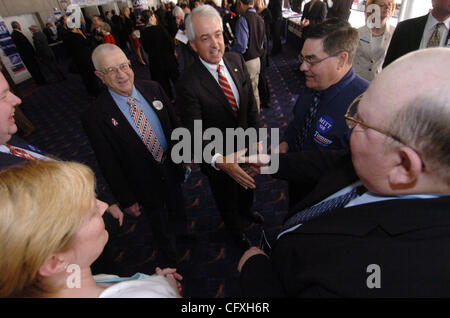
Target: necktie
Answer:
pixel 308 120
pixel 226 88
pixel 435 38
pixel 322 207
pixel 22 153
pixel 146 132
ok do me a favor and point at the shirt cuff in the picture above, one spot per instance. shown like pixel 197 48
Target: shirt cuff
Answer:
pixel 213 160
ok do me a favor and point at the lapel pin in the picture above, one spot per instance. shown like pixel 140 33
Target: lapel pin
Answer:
pixel 114 122
pixel 157 104
pixel 235 69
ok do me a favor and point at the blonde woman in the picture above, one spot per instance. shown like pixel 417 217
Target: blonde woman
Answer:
pixel 374 39
pixel 51 231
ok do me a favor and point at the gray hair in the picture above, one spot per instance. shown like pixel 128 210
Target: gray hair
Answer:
pixel 177 11
pixel 101 50
pixel 201 11
pixel 424 125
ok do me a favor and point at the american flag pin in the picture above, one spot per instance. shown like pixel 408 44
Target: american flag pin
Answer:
pixel 114 122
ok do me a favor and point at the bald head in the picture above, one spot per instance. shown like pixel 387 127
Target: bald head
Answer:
pixel 410 101
pixel 102 50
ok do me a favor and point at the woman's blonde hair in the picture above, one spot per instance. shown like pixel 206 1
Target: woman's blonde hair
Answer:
pixel 370 2
pixel 42 205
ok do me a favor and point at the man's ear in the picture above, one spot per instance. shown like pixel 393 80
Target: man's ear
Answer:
pixel 406 170
pixel 99 75
pixel 342 59
pixel 192 44
pixel 54 264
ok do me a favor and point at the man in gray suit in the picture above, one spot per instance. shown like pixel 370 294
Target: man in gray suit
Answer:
pixel 45 54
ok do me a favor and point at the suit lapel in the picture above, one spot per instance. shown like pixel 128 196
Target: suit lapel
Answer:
pixel 212 87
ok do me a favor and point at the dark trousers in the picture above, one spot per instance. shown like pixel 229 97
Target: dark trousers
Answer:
pixel 169 219
pixel 263 85
pixel 34 69
pixel 232 200
pixel 276 36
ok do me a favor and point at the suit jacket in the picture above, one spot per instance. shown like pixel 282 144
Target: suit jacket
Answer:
pixel 199 97
pixel 369 59
pixel 340 9
pixel 24 47
pixel 127 165
pixel 43 51
pixel 406 38
pixel 332 255
pixel 8 160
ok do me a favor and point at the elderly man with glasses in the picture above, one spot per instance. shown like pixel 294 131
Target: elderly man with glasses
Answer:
pixel 129 127
pixel 376 222
pixel 331 85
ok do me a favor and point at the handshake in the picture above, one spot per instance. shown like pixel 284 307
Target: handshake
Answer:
pixel 243 168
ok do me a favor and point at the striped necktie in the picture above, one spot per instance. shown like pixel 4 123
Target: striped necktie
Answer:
pixel 147 134
pixel 308 120
pixel 19 152
pixel 226 88
pixel 435 38
pixel 323 207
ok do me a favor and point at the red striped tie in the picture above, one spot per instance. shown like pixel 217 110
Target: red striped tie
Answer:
pixel 226 88
pixel 146 132
pixel 22 153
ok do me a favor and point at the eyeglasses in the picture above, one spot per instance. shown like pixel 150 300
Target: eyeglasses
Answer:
pixel 311 62
pixel 124 67
pixel 351 119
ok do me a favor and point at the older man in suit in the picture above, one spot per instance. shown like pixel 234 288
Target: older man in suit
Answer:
pixel 375 223
pixel 45 54
pixel 27 53
pixel 430 30
pixel 16 151
pixel 129 127
pixel 216 90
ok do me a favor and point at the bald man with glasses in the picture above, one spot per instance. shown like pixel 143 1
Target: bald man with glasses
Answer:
pixel 330 86
pixel 376 221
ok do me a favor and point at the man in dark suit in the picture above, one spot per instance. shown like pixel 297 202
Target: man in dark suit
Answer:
pixel 129 127
pixel 200 97
pixel 339 9
pixel 429 30
pixel 275 7
pixel 45 54
pixel 27 53
pixel 375 223
pixel 16 151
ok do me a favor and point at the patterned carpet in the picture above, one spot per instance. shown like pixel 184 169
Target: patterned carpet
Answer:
pixel 209 264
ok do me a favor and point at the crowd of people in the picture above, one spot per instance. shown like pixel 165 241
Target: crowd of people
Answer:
pixel 366 155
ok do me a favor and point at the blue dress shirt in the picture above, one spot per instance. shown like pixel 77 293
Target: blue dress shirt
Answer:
pixel 242 34
pixel 148 110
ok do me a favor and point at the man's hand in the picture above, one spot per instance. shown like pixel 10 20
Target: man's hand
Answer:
pixel 172 277
pixel 116 212
pixel 134 210
pixel 230 165
pixel 254 163
pixel 283 147
pixel 252 251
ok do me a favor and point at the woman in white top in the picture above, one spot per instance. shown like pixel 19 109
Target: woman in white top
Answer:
pixel 51 231
pixel 374 38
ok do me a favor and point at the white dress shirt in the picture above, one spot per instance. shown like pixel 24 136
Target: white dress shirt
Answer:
pixel 429 29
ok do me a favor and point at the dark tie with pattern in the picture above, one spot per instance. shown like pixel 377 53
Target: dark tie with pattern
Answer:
pixel 435 38
pixel 147 134
pixel 308 120
pixel 323 207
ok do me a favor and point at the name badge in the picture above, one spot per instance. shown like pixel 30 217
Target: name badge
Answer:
pixel 365 40
pixel 157 104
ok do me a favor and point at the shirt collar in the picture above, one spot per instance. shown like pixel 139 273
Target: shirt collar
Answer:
pixel 431 22
pixel 212 67
pixel 117 96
